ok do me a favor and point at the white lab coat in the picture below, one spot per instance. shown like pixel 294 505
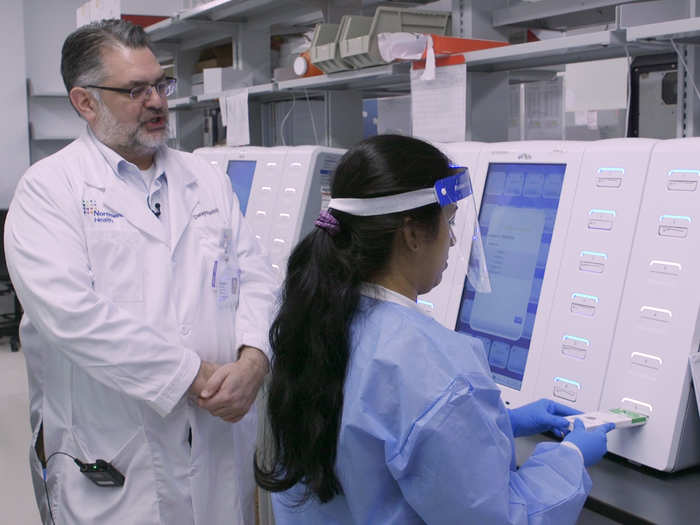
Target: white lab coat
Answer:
pixel 117 316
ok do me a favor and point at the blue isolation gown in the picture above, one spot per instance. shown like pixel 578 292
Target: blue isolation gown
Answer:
pixel 425 437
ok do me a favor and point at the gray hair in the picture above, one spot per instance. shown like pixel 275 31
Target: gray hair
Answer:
pixel 81 56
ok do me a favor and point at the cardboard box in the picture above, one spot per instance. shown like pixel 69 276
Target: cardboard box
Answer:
pixel 204 64
pixel 217 56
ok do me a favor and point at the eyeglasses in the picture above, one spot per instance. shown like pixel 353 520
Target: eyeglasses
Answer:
pixel 164 88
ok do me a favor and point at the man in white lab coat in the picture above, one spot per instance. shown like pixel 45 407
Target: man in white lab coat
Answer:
pixel 147 305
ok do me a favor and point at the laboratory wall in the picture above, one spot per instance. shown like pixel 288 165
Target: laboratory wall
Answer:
pixel 14 140
pixel 43 39
pixel 52 121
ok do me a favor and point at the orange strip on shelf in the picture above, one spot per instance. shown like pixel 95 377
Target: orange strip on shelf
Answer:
pixel 143 20
pixel 453 47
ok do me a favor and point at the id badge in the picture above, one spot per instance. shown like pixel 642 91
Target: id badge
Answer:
pixel 226 281
pixel 226 275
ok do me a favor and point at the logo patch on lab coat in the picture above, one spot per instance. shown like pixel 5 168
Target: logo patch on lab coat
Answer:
pixel 98 215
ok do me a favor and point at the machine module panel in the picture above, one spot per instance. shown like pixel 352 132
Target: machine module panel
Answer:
pixel 658 324
pixel 281 190
pixel 597 250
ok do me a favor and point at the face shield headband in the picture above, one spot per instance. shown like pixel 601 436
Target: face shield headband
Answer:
pixel 449 190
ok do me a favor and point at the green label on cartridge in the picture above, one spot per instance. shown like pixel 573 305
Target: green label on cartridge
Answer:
pixel 634 416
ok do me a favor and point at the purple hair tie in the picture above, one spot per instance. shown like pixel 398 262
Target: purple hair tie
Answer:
pixel 327 222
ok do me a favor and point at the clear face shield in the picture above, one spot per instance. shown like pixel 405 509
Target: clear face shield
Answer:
pixel 455 189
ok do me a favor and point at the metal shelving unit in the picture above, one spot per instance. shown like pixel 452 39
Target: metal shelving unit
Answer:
pixel 259 91
pixel 394 78
pixel 548 13
pixel 189 34
pixel 391 77
pixel 685 31
pixel 218 20
pixel 243 10
pixel 181 102
pixel 584 47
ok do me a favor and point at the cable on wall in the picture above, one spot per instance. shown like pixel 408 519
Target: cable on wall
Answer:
pixel 284 119
pixel 311 116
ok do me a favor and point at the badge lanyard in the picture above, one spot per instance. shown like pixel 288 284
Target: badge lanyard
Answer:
pixel 226 274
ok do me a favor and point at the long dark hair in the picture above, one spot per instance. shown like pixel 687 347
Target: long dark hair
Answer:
pixel 310 335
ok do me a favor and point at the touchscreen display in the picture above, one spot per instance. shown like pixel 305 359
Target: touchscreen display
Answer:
pixel 516 218
pixel 241 174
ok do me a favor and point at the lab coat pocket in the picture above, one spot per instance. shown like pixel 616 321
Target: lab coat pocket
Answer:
pixel 107 504
pixel 134 462
pixel 117 264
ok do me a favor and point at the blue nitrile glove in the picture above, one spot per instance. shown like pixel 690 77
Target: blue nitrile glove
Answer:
pixel 593 444
pixel 541 416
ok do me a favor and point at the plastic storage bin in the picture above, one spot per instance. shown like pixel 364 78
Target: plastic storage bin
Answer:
pixel 324 51
pixel 358 39
pixel 354 42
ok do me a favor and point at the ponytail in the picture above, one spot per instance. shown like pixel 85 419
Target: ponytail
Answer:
pixel 306 391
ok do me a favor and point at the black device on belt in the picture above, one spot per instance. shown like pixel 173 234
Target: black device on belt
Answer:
pixel 101 473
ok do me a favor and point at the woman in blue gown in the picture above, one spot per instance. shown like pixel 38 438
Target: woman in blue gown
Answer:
pixel 378 414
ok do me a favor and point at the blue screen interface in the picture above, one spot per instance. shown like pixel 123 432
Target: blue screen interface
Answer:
pixel 241 174
pixel 516 218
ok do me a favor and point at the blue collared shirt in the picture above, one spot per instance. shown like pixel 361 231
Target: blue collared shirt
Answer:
pixel 152 191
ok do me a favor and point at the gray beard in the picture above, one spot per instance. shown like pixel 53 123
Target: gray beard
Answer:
pixel 125 138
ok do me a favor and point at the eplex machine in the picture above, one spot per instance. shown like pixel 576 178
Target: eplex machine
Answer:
pixel 281 190
pixel 593 303
pixel 523 197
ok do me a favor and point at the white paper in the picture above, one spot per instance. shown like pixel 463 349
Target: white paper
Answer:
pixel 429 72
pixel 439 107
pixel 597 85
pixel 172 125
pixel 234 115
pixel 544 110
pixel 592 120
